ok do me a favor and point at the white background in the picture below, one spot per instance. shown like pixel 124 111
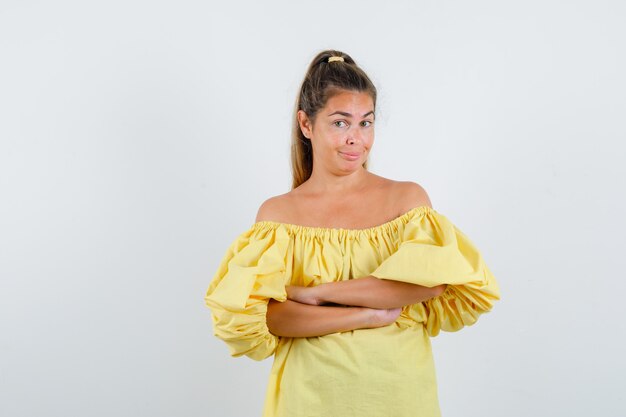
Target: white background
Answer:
pixel 139 138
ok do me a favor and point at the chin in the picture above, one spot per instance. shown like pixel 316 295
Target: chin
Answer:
pixel 352 166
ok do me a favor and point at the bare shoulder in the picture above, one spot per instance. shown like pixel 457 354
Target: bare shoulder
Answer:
pixel 405 195
pixel 411 194
pixel 273 209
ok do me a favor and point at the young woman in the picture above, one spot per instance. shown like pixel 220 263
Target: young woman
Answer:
pixel 345 278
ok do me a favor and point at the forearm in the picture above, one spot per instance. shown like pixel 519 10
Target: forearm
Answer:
pixel 373 292
pixel 293 319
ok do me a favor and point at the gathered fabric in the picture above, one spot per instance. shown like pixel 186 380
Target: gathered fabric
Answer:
pixel 365 372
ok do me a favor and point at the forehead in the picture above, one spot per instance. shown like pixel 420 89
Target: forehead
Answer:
pixel 355 100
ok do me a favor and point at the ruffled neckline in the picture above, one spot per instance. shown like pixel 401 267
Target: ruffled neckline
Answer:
pixel 317 230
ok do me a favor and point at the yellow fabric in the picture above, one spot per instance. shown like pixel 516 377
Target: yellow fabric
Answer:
pixel 387 371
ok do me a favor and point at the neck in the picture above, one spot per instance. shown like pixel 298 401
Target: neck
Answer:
pixel 325 182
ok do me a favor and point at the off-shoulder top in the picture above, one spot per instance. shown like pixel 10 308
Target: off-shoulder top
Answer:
pixel 343 373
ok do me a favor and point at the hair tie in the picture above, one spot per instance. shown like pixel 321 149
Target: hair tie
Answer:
pixel 335 58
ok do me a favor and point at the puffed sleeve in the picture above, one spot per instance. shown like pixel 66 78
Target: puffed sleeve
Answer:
pixel 433 251
pixel 256 267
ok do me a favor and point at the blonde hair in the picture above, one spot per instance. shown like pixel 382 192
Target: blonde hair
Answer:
pixel 322 81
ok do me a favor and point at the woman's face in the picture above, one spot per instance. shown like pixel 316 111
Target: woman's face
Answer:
pixel 343 131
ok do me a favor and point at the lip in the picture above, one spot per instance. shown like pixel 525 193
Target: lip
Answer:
pixel 352 156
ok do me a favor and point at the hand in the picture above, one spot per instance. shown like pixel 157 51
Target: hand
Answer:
pixel 304 295
pixel 383 317
pixel 439 289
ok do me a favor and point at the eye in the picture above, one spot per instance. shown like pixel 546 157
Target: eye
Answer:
pixel 338 121
pixel 366 121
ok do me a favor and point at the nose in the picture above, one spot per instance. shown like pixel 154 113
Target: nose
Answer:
pixel 353 136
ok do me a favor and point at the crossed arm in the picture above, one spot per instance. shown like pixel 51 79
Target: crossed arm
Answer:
pixel 345 305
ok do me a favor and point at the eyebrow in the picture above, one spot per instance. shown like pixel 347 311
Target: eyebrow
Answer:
pixel 349 115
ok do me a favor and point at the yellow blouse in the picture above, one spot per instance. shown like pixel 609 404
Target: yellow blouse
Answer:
pixel 386 371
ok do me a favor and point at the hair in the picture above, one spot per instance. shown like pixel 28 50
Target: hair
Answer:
pixel 322 81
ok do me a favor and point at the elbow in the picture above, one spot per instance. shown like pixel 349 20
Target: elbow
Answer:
pixel 270 317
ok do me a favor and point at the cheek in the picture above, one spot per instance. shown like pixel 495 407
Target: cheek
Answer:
pixel 335 141
pixel 368 140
